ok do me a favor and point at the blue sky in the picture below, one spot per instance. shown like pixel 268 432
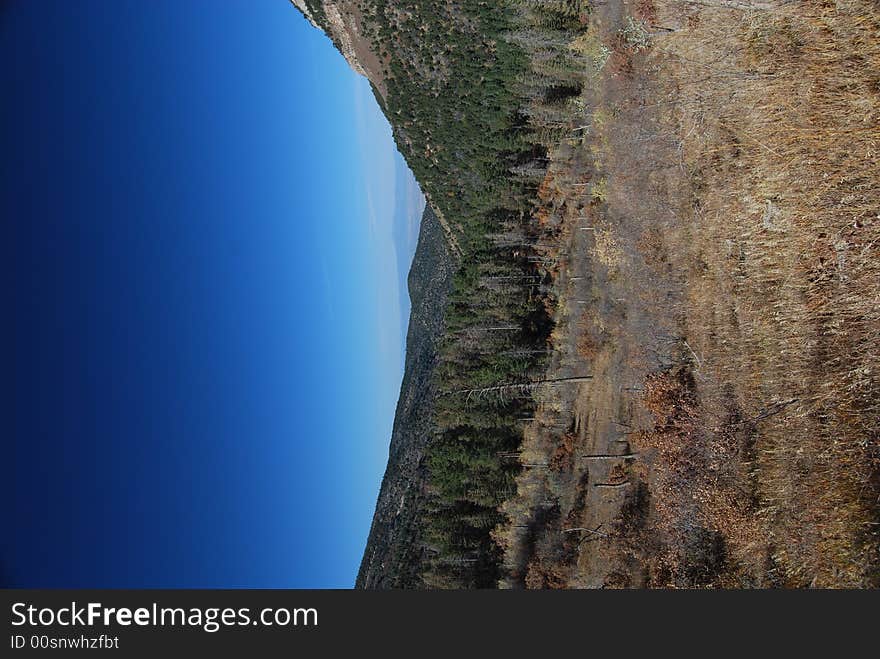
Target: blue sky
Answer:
pixel 210 232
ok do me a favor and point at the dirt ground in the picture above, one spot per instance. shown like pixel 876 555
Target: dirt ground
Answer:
pixel 718 274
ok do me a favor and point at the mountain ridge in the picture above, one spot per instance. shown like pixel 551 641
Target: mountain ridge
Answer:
pixel 387 562
pixel 343 24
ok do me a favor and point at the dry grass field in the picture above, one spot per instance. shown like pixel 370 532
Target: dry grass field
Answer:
pixel 717 216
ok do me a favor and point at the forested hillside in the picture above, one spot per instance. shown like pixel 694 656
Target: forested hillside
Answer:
pixel 655 359
pixel 455 75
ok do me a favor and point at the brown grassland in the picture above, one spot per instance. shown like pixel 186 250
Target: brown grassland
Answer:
pixel 716 216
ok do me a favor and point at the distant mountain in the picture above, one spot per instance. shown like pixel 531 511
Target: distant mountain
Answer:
pixel 389 560
pixel 409 206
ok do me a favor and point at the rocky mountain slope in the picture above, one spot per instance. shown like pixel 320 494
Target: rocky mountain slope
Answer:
pixel 343 23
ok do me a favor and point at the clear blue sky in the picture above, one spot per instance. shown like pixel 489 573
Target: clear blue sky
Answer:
pixel 204 209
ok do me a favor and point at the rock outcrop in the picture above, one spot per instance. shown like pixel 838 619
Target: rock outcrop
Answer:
pixel 343 23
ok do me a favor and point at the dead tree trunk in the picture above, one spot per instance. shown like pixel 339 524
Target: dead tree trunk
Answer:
pixel 516 388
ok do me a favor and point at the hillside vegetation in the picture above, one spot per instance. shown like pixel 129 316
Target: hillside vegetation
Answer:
pixel 656 362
